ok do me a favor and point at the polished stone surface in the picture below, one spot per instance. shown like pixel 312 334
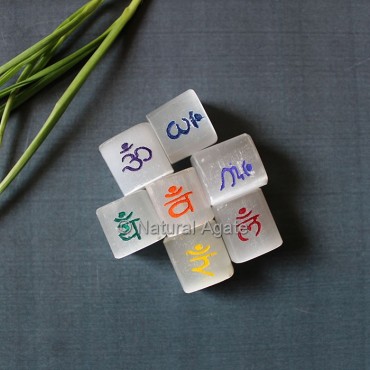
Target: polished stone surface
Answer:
pixel 135 158
pixel 183 126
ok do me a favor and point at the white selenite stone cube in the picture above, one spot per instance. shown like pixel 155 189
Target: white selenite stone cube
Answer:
pixel 249 229
pixel 182 126
pixel 230 169
pixel 180 201
pixel 130 223
pixel 199 258
pixel 135 157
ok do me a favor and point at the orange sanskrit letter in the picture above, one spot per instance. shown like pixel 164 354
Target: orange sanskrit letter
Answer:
pixel 173 191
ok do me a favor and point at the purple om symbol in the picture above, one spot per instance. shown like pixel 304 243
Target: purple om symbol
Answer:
pixel 135 160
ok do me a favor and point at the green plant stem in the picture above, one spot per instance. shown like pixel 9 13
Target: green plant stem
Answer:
pixel 70 93
pixel 88 9
pixel 10 72
pixel 10 101
pixel 48 78
pixel 69 61
pixel 6 76
pixel 53 48
pixel 44 81
pixel 37 64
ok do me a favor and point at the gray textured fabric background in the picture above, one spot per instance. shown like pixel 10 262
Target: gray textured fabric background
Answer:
pixel 296 77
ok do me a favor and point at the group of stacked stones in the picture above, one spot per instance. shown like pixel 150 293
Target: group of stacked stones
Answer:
pixel 208 215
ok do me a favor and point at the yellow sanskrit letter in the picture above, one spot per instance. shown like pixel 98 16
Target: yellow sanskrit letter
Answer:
pixel 199 252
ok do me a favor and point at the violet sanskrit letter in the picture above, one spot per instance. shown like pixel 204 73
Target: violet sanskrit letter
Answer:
pixel 135 160
pixel 193 119
pixel 233 171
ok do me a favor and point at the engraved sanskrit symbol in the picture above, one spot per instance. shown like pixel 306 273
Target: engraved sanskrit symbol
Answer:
pixel 174 130
pixel 233 171
pixel 247 221
pixel 200 255
pixel 134 161
pixel 178 202
pixel 126 226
